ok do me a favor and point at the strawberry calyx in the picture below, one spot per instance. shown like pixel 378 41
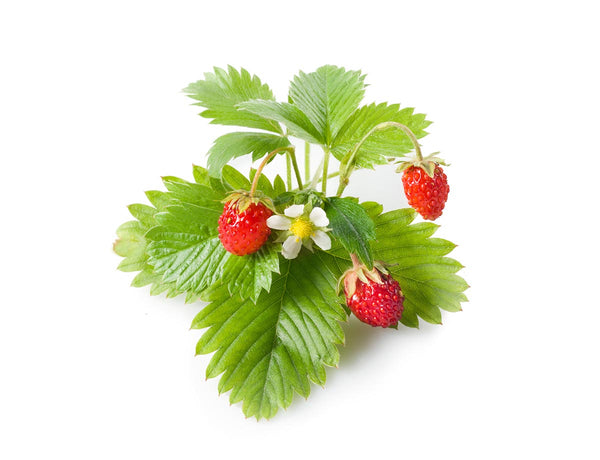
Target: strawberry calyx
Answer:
pixel 427 164
pixel 240 200
pixel 360 272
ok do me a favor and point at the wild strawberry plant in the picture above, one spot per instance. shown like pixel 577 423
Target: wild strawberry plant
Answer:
pixel 282 263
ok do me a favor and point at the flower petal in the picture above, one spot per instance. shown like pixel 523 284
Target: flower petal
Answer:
pixel 291 247
pixel 319 218
pixel 322 240
pixel 295 210
pixel 277 222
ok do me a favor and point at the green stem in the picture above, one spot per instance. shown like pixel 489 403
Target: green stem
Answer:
pixel 306 161
pixel 292 154
pixel 262 166
pixel 288 168
pixel 331 176
pixel 325 167
pixel 348 166
pixel 316 176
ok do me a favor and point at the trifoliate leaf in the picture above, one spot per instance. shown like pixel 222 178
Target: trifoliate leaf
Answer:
pixel 291 116
pixel 272 349
pixel 222 90
pixel 328 96
pixel 352 226
pixel 428 279
pixel 390 142
pixel 238 144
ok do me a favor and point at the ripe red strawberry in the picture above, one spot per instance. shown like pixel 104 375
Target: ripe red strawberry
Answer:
pixel 243 226
pixel 373 296
pixel 427 195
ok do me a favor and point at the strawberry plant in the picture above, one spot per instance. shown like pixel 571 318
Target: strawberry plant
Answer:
pixel 282 263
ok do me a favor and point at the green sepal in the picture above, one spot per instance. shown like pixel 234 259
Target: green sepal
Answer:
pixel 427 164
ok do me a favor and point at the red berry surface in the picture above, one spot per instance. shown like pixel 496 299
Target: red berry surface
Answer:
pixel 377 304
pixel 427 195
pixel 243 233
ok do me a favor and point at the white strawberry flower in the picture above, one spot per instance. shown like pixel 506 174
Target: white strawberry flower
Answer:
pixel 301 228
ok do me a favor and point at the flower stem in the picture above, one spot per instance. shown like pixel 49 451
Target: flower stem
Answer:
pixel 331 176
pixel 355 261
pixel 317 176
pixel 292 154
pixel 264 163
pixel 325 167
pixel 288 169
pixel 306 161
pixel 348 166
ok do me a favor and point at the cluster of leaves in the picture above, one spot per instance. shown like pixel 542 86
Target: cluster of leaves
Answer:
pixel 322 109
pixel 274 324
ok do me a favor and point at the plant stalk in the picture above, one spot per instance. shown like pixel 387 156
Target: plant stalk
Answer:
pixel 306 161
pixel 288 169
pixel 292 154
pixel 331 176
pixel 264 163
pixel 325 167
pixel 348 166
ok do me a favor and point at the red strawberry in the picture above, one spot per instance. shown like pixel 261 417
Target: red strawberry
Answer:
pixel 426 193
pixel 243 226
pixel 373 296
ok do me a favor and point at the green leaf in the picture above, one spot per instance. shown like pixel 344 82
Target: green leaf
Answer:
pixel 192 261
pixel 249 275
pixel 272 349
pixel 185 248
pixel 352 226
pixel 328 96
pixel 279 186
pixel 132 244
pixel 175 245
pixel 235 179
pixel 233 145
pixel 264 184
pixel 390 142
pixel 291 116
pixel 201 176
pixel 427 278
pixel 222 90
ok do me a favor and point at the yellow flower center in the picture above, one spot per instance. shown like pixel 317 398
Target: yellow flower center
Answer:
pixel 302 227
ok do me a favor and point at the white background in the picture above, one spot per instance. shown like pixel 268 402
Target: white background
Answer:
pixel 91 115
